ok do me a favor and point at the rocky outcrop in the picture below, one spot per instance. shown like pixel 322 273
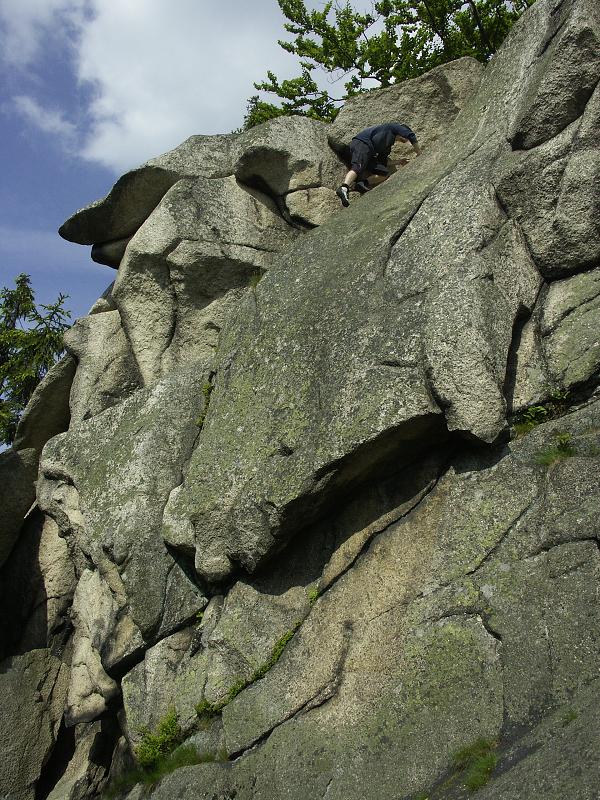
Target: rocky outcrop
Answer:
pixel 324 491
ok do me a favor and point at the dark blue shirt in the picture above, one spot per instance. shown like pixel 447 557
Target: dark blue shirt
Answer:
pixel 381 137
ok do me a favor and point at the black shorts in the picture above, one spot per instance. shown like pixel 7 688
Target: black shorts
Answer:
pixel 362 159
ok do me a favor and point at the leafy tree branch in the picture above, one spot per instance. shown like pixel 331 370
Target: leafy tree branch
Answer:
pixel 396 40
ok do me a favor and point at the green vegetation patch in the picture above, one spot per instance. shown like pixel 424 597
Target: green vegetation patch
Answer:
pixel 158 744
pixel 186 756
pixel 254 280
pixel 313 594
pixel 569 716
pixel 533 416
pixel 475 763
pixel 561 449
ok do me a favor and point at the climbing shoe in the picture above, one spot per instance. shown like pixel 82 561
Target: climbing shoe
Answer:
pixel 362 187
pixel 342 193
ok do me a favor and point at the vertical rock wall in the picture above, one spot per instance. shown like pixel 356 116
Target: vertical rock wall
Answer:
pixel 279 497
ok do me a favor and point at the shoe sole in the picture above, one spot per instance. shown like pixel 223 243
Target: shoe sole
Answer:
pixel 343 198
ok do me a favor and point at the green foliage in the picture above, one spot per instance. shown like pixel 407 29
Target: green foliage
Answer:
pixel 570 715
pixel 257 112
pixel 186 756
pixel 31 340
pixel 313 594
pixel 562 448
pixel 555 407
pixel 532 416
pixel 475 763
pixel 254 280
pixel 396 40
pixel 199 617
pixel 155 746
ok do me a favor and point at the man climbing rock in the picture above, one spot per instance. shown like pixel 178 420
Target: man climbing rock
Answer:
pixel 369 151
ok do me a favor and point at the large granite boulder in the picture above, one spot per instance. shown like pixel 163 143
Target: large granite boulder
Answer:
pixel 469 616
pixel 32 688
pixel 18 470
pixel 106 370
pixel 188 264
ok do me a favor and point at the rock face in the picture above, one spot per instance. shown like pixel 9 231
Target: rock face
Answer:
pixel 321 484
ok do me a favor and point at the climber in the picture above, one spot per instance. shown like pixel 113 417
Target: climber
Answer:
pixel 369 151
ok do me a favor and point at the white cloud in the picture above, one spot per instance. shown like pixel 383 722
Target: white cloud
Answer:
pixel 47 120
pixel 159 71
pixel 187 67
pixel 26 24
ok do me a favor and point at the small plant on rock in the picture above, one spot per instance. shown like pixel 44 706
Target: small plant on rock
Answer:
pixel 555 407
pixel 185 756
pixel 313 594
pixel 569 716
pixel 475 763
pixel 561 449
pixel 254 280
pixel 159 744
pixel 529 419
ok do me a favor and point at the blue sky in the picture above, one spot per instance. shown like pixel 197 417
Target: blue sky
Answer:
pixel 92 88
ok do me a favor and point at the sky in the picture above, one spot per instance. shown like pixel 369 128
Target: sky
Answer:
pixel 92 88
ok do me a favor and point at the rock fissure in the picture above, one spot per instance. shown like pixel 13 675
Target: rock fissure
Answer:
pixel 174 299
pixel 379 528
pixel 325 693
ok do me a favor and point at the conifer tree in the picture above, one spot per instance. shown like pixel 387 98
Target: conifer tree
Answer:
pixel 31 340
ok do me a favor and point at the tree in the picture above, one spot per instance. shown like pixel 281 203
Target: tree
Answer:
pixel 31 340
pixel 396 40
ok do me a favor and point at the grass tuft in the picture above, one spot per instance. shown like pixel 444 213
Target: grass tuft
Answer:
pixel 155 746
pixel 561 449
pixel 313 594
pixel 186 756
pixel 254 280
pixel 476 762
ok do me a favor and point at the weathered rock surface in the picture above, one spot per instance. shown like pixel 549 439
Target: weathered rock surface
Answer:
pixel 32 688
pixel 106 482
pixel 345 374
pixel 106 370
pixel 18 469
pixel 47 413
pixel 188 264
pixel 110 253
pixel 287 154
pixel 290 511
pixel 37 583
